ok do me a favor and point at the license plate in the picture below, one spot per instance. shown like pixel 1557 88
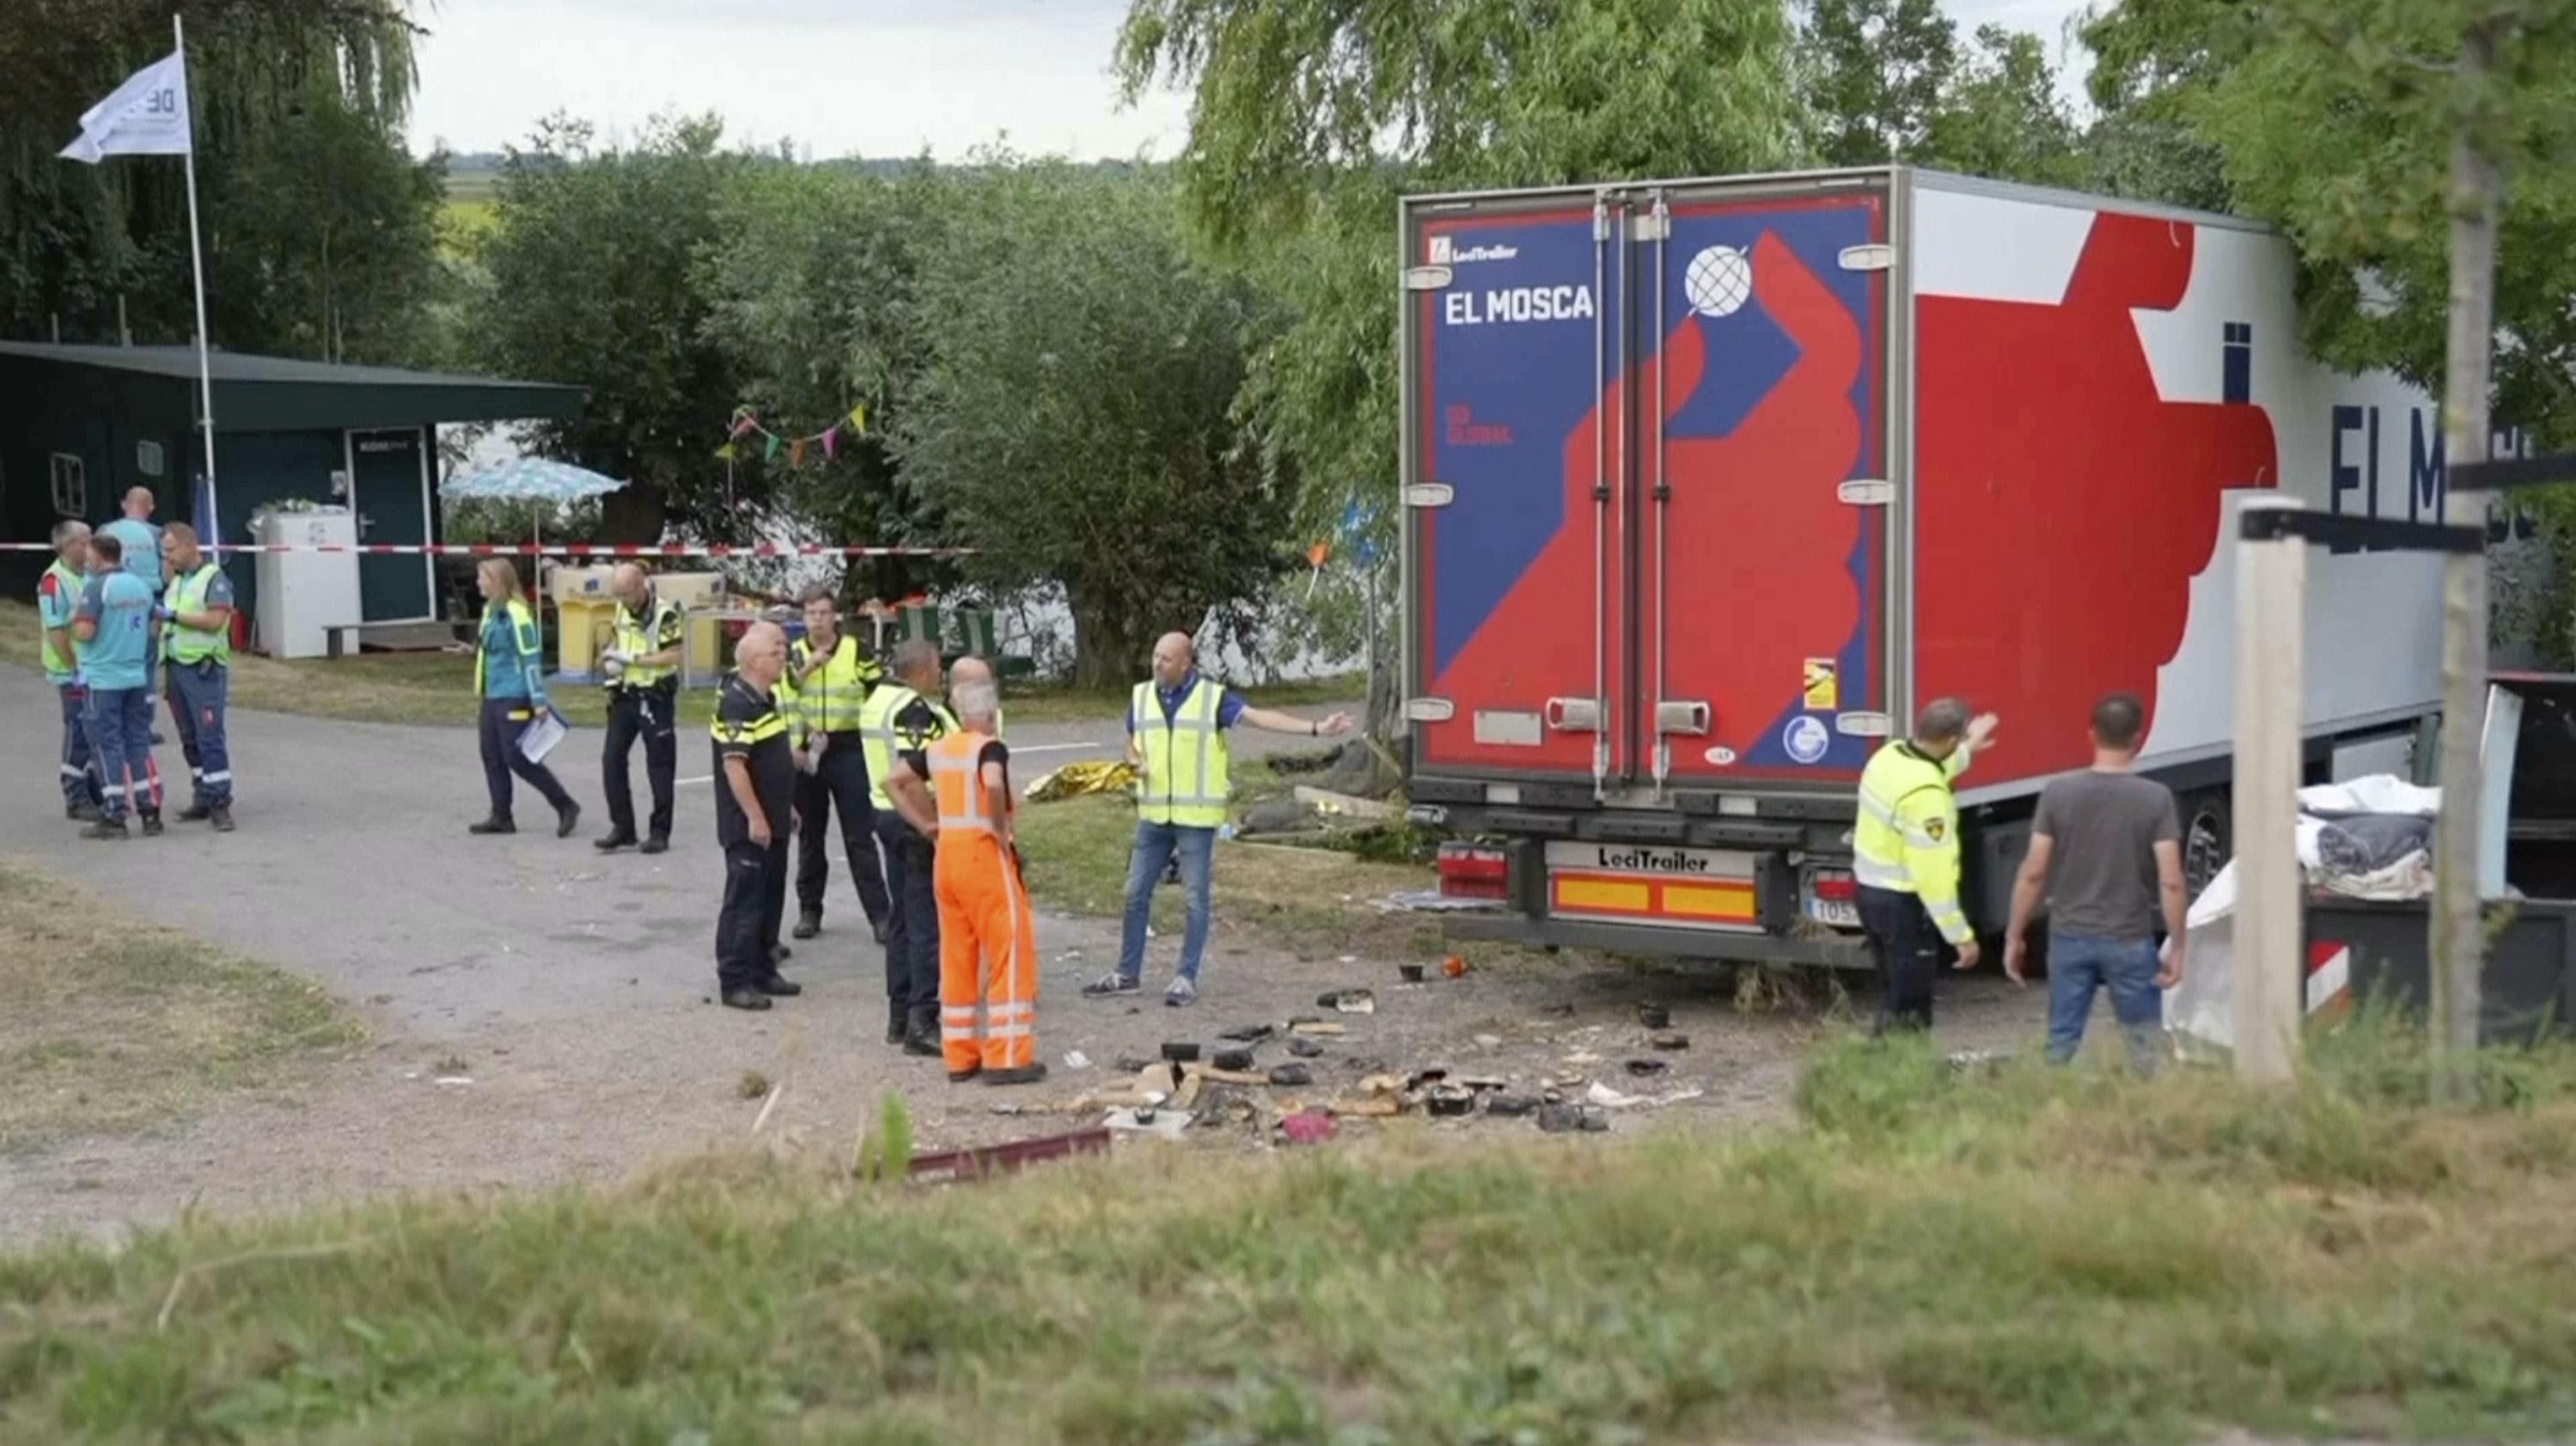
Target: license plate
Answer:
pixel 1834 913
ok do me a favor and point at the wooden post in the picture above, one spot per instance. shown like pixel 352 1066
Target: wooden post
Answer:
pixel 2271 581
pixel 2458 940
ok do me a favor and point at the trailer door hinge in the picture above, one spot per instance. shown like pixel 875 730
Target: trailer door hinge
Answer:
pixel 1653 226
pixel 1429 494
pixel 1863 725
pixel 1430 710
pixel 1865 492
pixel 1428 278
pixel 1877 257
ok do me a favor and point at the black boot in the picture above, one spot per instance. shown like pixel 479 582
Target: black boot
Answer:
pixel 745 999
pixel 614 840
pixel 567 818
pixel 921 1034
pixel 898 1021
pixel 152 825
pixel 658 844
pixel 497 823
pixel 222 814
pixel 808 924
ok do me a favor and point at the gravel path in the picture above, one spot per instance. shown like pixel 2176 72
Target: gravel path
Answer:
pixel 574 989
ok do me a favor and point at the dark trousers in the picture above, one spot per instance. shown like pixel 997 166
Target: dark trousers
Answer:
pixel 742 945
pixel 1907 950
pixel 912 924
pixel 502 720
pixel 80 771
pixel 773 892
pixel 198 696
pixel 646 713
pixel 838 784
pixel 120 738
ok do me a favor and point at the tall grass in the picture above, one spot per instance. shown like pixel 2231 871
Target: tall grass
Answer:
pixel 2034 1254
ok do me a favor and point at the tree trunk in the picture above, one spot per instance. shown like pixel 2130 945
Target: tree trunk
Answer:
pixel 1104 655
pixel 1385 713
pixel 633 514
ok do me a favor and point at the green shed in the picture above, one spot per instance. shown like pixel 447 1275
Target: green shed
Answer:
pixel 81 425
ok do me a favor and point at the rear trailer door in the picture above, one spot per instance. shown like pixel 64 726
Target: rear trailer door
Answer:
pixel 1762 595
pixel 1515 533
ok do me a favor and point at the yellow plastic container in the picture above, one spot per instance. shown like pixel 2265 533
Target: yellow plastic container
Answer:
pixel 586 619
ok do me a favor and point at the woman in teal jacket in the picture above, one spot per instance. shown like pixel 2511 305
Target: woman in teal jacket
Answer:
pixel 510 678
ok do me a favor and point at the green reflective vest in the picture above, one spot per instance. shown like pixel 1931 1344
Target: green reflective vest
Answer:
pixel 881 740
pixel 659 628
pixel 1185 758
pixel 194 645
pixel 1907 836
pixel 524 642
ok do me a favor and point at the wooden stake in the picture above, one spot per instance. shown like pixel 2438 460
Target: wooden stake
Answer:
pixel 2458 941
pixel 2271 578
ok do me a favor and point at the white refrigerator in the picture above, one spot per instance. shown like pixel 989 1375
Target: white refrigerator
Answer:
pixel 303 593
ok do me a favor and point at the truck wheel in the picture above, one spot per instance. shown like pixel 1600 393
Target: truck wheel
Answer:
pixel 2208 840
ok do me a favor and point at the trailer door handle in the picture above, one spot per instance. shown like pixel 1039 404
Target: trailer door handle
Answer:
pixel 1574 715
pixel 1688 716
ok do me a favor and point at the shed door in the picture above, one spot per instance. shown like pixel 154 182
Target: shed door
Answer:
pixel 389 491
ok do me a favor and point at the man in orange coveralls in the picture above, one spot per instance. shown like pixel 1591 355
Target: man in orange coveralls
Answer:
pixel 987 942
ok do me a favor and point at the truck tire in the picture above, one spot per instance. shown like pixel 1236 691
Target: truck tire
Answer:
pixel 2208 839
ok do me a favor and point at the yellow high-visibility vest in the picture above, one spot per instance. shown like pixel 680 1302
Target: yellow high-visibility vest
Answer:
pixel 880 739
pixel 1185 757
pixel 523 642
pixel 1906 838
pixel 833 700
pixel 660 628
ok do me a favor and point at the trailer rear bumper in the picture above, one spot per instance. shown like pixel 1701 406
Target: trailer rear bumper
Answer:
pixel 1834 951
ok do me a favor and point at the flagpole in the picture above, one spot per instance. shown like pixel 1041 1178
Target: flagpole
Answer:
pixel 197 258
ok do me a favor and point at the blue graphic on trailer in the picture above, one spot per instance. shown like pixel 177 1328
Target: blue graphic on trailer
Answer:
pixel 1513 374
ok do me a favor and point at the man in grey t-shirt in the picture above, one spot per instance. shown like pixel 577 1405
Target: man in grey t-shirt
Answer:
pixel 2107 850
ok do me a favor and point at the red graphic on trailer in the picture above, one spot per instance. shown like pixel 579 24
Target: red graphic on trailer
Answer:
pixel 1749 600
pixel 1754 596
pixel 2050 468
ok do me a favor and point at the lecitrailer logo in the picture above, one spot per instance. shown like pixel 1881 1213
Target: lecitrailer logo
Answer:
pixel 1446 252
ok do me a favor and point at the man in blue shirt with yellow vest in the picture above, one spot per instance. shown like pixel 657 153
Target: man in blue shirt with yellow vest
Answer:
pixel 1176 725
pixel 1905 858
pixel 112 627
pixel 58 595
pixel 196 615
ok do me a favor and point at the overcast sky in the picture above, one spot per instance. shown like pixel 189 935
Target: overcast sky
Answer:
pixel 840 77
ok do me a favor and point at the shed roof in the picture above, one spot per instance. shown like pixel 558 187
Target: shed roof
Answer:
pixel 280 394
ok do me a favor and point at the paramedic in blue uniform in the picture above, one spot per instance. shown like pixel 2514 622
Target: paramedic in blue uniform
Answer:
pixel 196 643
pixel 510 682
pixel 58 595
pixel 113 630
pixel 141 541
pixel 755 787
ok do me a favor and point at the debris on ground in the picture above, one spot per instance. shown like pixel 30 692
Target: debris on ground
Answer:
pixel 1307 1127
pixel 1180 1051
pixel 1561 1119
pixel 1249 1033
pixel 1455 966
pixel 1289 1075
pixel 1432 901
pixel 1409 973
pixel 1348 1001
pixel 1668 1040
pixel 1654 1016
pixel 1147 1120
pixel 1234 1059
pixel 1077 1060
pixel 1077 780
pixel 1345 805
pixel 1304 1048
pixel 1609 1099
pixel 1373 1105
pixel 1316 1026
pixel 1511 1106
pixel 1643 1067
pixel 1450 1100
pixel 1489 1041
pixel 753 1085
pixel 1131 1063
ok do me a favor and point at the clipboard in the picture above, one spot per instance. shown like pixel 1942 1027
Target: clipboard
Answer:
pixel 543 732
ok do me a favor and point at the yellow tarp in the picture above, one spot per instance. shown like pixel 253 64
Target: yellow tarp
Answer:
pixel 1076 780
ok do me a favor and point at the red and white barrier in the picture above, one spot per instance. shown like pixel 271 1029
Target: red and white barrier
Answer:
pixel 574 549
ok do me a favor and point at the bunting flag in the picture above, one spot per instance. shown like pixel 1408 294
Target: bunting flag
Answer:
pixel 746 424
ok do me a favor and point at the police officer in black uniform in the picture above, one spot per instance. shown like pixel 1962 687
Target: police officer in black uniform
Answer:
pixel 755 791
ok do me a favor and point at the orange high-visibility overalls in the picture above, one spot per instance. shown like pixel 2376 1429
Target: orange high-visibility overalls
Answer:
pixel 987 943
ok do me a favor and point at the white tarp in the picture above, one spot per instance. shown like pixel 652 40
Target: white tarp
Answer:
pixel 2199 1012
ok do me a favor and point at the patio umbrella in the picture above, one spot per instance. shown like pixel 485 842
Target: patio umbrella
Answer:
pixel 531 479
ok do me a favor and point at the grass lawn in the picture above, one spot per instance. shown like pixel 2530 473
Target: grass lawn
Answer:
pixel 111 1026
pixel 438 688
pixel 1929 1254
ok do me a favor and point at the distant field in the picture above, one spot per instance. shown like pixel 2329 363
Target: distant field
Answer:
pixel 472 185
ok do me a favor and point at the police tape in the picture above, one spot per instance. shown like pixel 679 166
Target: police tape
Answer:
pixel 573 549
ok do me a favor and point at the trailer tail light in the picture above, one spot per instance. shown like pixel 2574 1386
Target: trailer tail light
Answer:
pixel 1470 871
pixel 1830 897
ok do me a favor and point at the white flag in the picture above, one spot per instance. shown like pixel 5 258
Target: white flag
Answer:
pixel 147 116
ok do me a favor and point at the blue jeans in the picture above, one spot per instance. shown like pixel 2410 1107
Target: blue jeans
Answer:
pixel 1155 844
pixel 2079 965
pixel 120 741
